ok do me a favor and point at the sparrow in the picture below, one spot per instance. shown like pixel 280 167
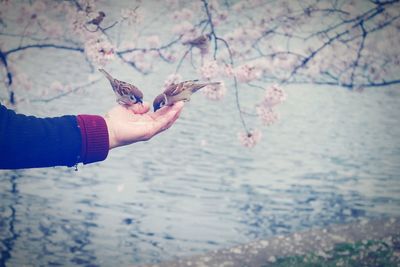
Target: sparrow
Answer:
pixel 97 20
pixel 127 94
pixel 178 92
pixel 201 42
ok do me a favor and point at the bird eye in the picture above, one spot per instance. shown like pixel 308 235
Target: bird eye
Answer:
pixel 162 103
pixel 132 97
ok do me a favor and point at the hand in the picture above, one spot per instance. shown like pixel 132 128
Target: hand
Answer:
pixel 134 124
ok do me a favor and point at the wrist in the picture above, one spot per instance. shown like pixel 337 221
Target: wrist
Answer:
pixel 111 134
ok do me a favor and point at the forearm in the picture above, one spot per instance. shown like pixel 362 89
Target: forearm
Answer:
pixel 29 142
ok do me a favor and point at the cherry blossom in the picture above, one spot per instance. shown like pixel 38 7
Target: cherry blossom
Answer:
pixel 209 69
pixel 186 29
pixel 172 79
pixel 247 73
pixel 153 41
pixel 56 86
pixel 131 15
pixel 215 92
pixel 250 139
pixel 273 96
pixel 184 14
pixel 99 51
pixel 267 115
pixel 246 45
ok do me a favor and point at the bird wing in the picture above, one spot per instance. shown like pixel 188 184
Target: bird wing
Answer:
pixel 198 86
pixel 124 87
pixel 177 88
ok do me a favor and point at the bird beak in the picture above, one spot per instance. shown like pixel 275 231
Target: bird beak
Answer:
pixel 140 101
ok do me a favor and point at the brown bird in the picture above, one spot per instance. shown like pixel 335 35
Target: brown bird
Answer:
pixel 178 92
pixel 97 20
pixel 202 42
pixel 127 94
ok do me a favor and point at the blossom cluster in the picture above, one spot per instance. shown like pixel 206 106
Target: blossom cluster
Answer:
pixel 209 70
pixel 250 139
pixel 245 43
pixel 172 79
pixel 99 51
pixel 247 73
pixel 273 96
pixel 215 91
pixel 131 15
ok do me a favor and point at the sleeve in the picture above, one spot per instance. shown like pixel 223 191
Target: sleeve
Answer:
pixel 95 141
pixel 30 142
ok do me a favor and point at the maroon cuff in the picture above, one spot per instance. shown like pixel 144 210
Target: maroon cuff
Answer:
pixel 95 142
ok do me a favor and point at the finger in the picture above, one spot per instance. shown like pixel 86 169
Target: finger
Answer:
pixel 140 108
pixel 166 120
pixel 169 113
pixel 171 122
pixel 164 110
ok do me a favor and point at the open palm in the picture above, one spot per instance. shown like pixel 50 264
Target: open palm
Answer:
pixel 136 123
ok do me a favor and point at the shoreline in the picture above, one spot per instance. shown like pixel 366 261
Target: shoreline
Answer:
pixel 316 241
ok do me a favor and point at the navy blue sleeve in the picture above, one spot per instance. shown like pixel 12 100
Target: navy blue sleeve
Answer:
pixel 30 142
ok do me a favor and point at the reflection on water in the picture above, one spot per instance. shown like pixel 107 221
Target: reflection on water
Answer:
pixel 334 157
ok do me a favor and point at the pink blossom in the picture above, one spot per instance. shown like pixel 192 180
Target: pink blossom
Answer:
pixel 170 57
pixel 228 70
pixel 99 51
pixel 126 45
pixel 249 139
pixel 22 81
pixel 221 16
pixel 153 53
pixel 203 142
pixel 77 22
pixel 153 41
pixel 183 27
pixel 120 188
pixel 273 96
pixel 215 92
pixel 5 5
pixel 186 29
pixel 314 69
pixel 26 13
pixel 52 28
pixel 63 7
pixel 284 61
pixel 209 69
pixel 247 73
pixel 267 115
pixel 351 8
pixel 39 6
pixel 183 14
pixel 139 59
pixel 56 86
pixel 239 6
pixel 131 15
pixel 172 3
pixel 172 79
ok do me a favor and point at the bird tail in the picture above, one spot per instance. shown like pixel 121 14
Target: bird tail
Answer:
pixel 197 87
pixel 108 75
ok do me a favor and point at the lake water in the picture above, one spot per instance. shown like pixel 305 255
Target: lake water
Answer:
pixel 332 158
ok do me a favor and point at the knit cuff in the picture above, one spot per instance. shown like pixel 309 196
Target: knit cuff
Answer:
pixel 95 142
